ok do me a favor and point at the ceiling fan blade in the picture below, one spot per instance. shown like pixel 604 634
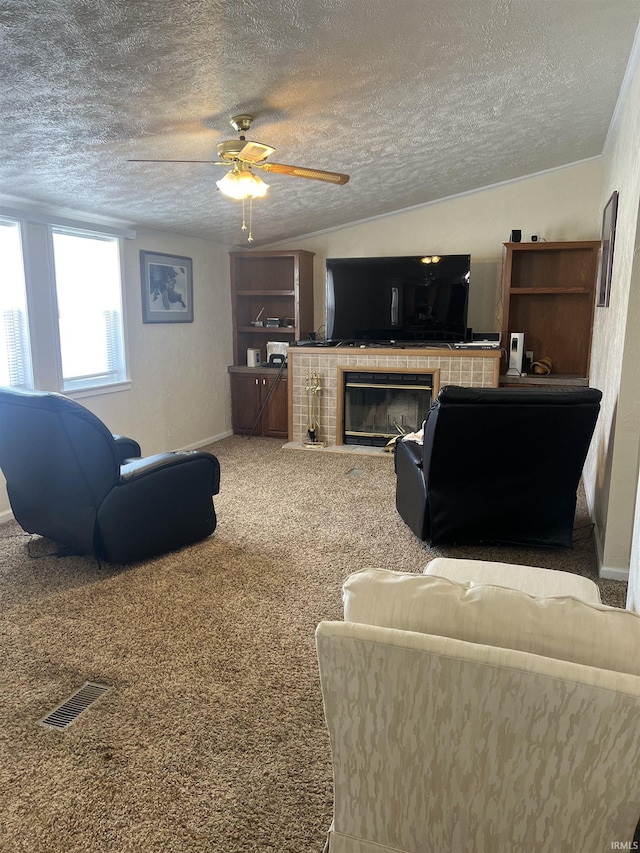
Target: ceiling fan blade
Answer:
pixel 255 152
pixel 213 162
pixel 302 172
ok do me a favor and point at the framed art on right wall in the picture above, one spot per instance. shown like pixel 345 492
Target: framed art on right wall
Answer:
pixel 609 214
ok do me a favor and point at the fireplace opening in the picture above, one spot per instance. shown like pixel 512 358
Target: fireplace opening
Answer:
pixel 381 405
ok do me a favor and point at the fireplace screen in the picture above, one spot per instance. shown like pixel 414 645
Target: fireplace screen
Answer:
pixel 380 405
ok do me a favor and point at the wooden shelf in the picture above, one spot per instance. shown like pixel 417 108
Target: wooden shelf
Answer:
pixel 278 284
pixel 266 293
pixel 264 370
pixel 261 330
pixel 269 284
pixel 552 380
pixel 529 291
pixel 549 294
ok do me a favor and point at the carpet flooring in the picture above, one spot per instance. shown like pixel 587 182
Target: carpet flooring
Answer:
pixel 212 736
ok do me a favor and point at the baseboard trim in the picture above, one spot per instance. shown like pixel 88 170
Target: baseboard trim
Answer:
pixel 205 441
pixel 604 572
pixel 613 574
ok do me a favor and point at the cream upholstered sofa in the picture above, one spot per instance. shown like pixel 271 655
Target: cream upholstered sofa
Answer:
pixel 481 707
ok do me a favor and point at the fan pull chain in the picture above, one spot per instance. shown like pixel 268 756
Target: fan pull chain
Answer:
pixel 244 224
pixel 250 237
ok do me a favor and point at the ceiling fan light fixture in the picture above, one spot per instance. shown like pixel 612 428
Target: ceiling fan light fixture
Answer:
pixel 241 183
pixel 259 187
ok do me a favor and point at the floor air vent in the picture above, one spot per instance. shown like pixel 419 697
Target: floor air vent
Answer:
pixel 62 716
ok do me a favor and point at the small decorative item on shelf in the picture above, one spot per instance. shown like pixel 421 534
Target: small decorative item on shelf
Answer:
pixel 258 321
pixel 542 367
pixel 313 407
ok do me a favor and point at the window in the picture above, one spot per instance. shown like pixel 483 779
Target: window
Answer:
pixel 60 303
pixel 88 294
pixel 15 354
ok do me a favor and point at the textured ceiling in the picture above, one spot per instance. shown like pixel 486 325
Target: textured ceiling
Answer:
pixel 415 99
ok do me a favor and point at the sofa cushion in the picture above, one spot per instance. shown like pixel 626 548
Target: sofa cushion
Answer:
pixel 559 627
pixel 539 582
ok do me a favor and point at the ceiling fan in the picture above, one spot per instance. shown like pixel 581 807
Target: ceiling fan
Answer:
pixel 244 156
pixel 254 154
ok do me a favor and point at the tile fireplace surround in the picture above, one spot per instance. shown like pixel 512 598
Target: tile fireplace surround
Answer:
pixel 473 368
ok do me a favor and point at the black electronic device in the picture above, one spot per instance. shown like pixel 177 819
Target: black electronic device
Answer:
pixel 485 336
pixel 422 298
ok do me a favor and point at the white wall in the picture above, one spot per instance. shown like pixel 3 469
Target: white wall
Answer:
pixel 611 473
pixel 180 385
pixel 559 205
pixel 179 394
pixel 633 356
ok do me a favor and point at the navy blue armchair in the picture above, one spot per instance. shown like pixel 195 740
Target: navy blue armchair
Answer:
pixel 498 465
pixel 69 479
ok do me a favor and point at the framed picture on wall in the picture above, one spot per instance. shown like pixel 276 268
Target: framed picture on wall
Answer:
pixel 609 215
pixel 167 288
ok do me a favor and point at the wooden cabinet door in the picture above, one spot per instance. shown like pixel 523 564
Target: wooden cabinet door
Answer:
pixel 246 391
pixel 275 417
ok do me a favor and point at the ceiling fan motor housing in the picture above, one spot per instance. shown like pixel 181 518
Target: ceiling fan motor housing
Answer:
pixel 230 149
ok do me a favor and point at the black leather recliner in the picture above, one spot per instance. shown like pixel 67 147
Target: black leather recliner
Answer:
pixel 69 479
pixel 498 465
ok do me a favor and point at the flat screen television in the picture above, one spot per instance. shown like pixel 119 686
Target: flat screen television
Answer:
pixel 422 298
